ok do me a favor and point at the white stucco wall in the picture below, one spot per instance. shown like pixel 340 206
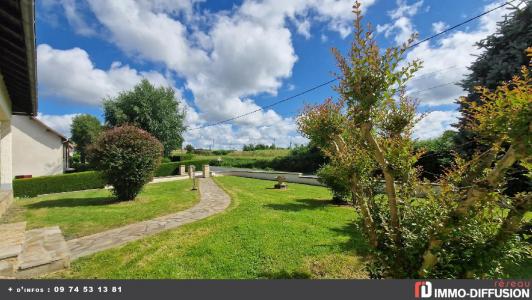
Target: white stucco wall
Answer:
pixel 6 170
pixel 36 150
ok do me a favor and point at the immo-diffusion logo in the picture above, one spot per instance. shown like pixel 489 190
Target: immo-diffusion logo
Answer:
pixel 422 289
pixel 502 289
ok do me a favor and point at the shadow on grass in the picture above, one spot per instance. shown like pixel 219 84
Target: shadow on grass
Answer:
pixel 284 275
pixel 73 202
pixel 300 204
pixel 357 242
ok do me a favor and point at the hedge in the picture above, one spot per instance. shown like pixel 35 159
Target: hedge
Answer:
pixel 31 187
pixel 237 162
pixel 172 168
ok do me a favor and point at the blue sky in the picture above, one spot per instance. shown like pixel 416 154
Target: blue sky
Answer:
pixel 226 58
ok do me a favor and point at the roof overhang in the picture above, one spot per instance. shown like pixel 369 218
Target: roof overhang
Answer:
pixel 18 54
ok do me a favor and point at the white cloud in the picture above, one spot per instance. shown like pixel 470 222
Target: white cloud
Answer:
pixel 303 28
pixel 71 75
pixel 72 13
pixel 435 123
pixel 224 58
pixel 401 27
pixel 59 123
pixel 439 26
pixel 446 60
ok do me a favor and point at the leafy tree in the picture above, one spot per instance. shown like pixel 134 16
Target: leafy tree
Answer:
pixel 189 148
pixel 480 223
pixel 155 110
pixel 438 155
pixel 85 129
pixel 366 134
pixel 127 157
pixel 503 56
pixel 466 227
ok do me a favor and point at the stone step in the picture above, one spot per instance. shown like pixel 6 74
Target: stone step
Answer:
pixel 6 198
pixel 12 239
pixel 8 267
pixel 45 250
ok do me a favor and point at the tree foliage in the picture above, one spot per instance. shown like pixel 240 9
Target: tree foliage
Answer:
pixel 438 155
pixel 127 157
pixel 252 147
pixel 366 134
pixel 502 58
pixel 465 228
pixel 155 110
pixel 477 232
pixel 85 129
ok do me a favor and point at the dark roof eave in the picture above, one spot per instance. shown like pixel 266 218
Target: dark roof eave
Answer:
pixel 27 8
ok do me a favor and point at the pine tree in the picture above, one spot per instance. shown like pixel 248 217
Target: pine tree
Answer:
pixel 504 54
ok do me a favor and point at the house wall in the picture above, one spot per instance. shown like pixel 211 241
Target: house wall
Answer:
pixel 36 150
pixel 6 176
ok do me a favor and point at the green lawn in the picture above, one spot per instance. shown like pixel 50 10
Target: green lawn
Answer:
pixel 266 233
pixel 86 212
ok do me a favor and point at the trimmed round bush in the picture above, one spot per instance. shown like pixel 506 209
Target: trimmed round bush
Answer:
pixel 127 157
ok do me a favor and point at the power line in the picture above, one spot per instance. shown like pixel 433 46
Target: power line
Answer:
pixel 335 79
pixel 267 106
pixel 462 23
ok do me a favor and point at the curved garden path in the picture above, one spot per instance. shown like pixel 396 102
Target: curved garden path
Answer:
pixel 212 201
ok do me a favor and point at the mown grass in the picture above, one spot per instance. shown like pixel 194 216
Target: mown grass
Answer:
pixel 86 212
pixel 266 233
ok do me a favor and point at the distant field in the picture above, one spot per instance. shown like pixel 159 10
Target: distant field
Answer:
pixel 261 153
pixel 258 154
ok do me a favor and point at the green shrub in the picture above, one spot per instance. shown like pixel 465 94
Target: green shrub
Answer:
pixel 305 159
pixel 31 187
pixel 236 162
pixel 337 181
pixel 128 158
pixel 181 157
pixel 222 152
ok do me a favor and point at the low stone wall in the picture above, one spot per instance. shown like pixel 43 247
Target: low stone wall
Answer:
pixel 299 178
pixel 6 198
pixel 268 175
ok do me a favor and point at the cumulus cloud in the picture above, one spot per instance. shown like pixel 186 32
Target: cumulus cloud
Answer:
pixel 236 55
pixel 71 75
pixel 59 123
pixel 401 27
pixel 435 123
pixel 446 60
pixel 227 58
pixel 73 15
